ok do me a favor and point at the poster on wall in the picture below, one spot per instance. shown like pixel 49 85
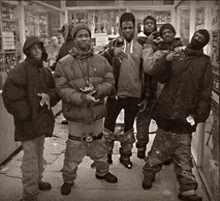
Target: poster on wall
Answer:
pixel 200 15
pixel 8 40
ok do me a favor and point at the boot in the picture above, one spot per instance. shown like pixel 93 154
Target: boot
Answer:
pixel 108 177
pixel 66 188
pixel 141 153
pixel 126 162
pixel 148 182
pixel 110 159
pixel 193 197
pixel 44 186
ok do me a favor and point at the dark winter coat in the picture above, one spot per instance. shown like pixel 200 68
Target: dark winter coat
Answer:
pixel 187 91
pixel 20 90
pixel 72 73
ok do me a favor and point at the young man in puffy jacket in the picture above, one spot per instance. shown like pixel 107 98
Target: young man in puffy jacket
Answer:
pixel 184 101
pixel 28 94
pixel 83 80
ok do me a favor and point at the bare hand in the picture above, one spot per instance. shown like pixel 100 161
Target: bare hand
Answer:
pixel 89 97
pixel 118 52
pixel 45 100
pixel 142 105
pixel 88 89
pixel 173 56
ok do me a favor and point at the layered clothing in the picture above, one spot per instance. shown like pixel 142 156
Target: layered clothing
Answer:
pixel 187 90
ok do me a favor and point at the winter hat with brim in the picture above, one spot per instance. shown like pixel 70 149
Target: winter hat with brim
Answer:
pixel 126 17
pixel 79 27
pixel 167 26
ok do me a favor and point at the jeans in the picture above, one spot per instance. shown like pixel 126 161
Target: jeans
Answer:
pixel 32 167
pixel 114 107
pixel 168 145
pixel 77 150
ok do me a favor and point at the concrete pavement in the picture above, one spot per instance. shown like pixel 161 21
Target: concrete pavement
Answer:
pixel 87 187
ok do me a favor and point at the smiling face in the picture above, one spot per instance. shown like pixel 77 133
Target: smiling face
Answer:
pixel 36 51
pixel 82 40
pixel 168 36
pixel 127 30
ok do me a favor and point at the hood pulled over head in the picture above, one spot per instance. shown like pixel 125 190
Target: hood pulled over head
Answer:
pixel 31 40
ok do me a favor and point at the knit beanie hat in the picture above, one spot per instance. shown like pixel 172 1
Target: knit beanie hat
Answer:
pixel 79 27
pixel 125 17
pixel 167 26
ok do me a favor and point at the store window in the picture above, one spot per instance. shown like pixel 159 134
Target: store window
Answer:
pixel 10 48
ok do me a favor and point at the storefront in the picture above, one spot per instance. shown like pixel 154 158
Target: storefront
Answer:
pixel 103 17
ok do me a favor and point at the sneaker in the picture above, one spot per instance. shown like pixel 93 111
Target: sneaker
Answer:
pixel 147 183
pixel 141 153
pixel 128 164
pixel 66 188
pixel 193 197
pixel 108 177
pixel 44 186
pixel 64 122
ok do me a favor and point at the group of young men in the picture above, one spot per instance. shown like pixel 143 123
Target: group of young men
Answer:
pixel 150 78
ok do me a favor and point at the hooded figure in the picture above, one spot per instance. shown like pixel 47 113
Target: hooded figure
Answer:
pixel 28 94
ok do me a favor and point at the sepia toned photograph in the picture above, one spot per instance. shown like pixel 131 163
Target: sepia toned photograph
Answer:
pixel 113 100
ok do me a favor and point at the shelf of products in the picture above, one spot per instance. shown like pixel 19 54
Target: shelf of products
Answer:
pixel 10 46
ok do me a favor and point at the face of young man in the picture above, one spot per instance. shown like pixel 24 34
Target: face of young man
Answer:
pixel 36 51
pixel 168 36
pixel 127 29
pixel 149 26
pixel 82 40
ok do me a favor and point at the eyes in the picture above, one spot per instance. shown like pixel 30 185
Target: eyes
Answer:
pixel 199 37
pixel 83 35
pixel 127 28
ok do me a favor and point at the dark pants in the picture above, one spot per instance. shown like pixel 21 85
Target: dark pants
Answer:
pixel 168 145
pixel 114 107
pixel 143 121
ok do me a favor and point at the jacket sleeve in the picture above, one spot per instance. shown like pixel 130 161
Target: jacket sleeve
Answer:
pixel 161 70
pixel 106 88
pixel 54 97
pixel 67 93
pixel 204 105
pixel 150 57
pixel 14 94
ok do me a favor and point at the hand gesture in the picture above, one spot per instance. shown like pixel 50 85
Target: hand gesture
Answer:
pixel 173 56
pixel 45 100
pixel 118 52
pixel 90 98
pixel 142 105
pixel 88 89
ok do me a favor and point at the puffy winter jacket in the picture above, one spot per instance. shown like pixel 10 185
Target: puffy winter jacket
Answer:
pixel 72 73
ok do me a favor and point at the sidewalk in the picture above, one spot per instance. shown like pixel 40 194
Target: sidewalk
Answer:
pixel 87 187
